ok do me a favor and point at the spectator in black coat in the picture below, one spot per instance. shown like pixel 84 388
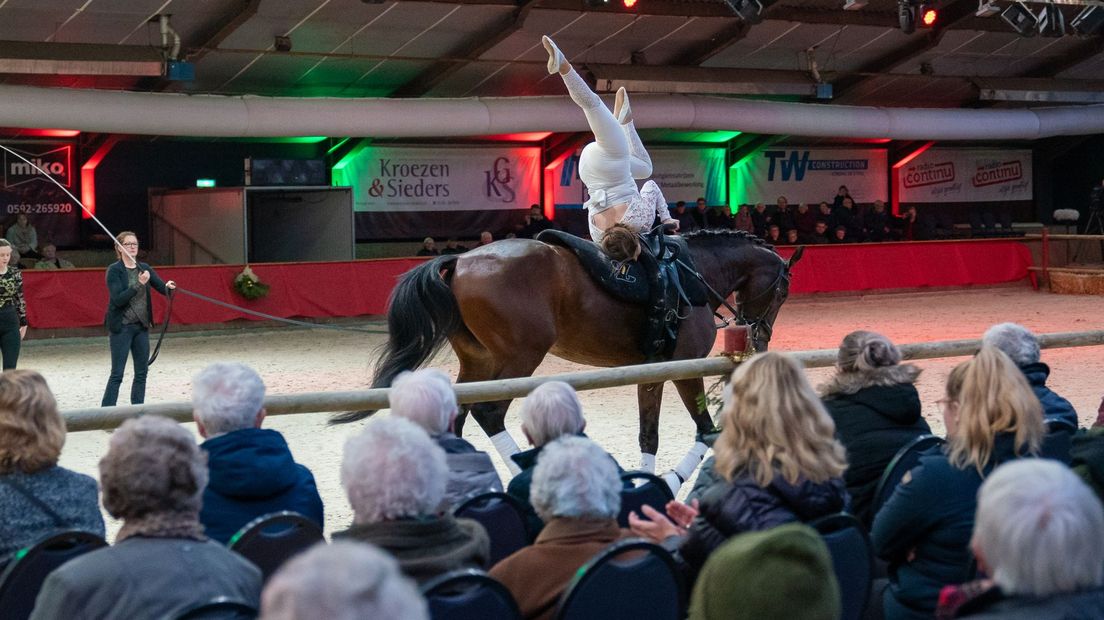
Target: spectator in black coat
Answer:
pixel 848 217
pixel 686 220
pixel 535 222
pixel 820 234
pixel 876 224
pixel 429 248
pixel 876 408
pixel 841 193
pixel 777 461
pixel 784 215
pixel 701 214
pixel 760 219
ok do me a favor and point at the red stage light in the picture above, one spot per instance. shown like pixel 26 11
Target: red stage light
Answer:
pixel 928 17
pixel 629 3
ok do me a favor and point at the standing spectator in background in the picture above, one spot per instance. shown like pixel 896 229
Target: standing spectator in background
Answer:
pixel 686 220
pixel 429 247
pixel 761 219
pixel 841 193
pixel 251 472
pixel 50 259
pixel 534 223
pixel 485 238
pixel 805 220
pixel 13 308
pixel 701 214
pixel 452 246
pixel 849 218
pixel 784 216
pixel 38 498
pixel 24 237
pixel 876 223
pixel 742 219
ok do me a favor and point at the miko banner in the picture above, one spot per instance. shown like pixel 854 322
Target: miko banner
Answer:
pixel 681 173
pixel 810 175
pixel 25 190
pixel 966 175
pixel 393 179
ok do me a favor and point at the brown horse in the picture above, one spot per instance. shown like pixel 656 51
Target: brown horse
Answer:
pixel 503 307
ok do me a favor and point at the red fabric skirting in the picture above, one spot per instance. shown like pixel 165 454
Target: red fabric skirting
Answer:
pixel 78 297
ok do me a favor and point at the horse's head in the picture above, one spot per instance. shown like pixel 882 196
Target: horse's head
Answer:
pixel 764 291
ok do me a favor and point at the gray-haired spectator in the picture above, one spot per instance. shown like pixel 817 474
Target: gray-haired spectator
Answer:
pixel 394 476
pixel 161 563
pixel 1037 534
pixel 549 412
pixel 576 491
pixel 342 581
pixel 1018 343
pixel 425 397
pixel 38 498
pixel 251 470
pixel 50 259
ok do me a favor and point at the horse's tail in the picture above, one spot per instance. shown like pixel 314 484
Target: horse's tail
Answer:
pixel 421 313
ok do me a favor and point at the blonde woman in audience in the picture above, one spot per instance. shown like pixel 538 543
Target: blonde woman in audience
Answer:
pixel 923 531
pixel 777 460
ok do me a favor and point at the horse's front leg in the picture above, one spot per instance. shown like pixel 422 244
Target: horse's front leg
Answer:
pixel 649 397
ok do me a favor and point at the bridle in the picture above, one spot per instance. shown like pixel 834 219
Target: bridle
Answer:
pixel 760 323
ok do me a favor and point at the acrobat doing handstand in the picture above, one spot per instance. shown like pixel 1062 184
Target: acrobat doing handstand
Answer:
pixel 609 165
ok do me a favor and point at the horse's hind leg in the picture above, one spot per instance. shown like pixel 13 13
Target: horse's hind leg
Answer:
pixel 648 399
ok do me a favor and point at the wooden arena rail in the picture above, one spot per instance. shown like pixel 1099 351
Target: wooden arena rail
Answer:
pixel 103 418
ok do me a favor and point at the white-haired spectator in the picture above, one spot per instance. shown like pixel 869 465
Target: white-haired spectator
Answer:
pixel 251 470
pixel 161 563
pixel 394 476
pixel 342 581
pixel 425 397
pixel 576 490
pixel 1020 344
pixel 549 412
pixel 1037 535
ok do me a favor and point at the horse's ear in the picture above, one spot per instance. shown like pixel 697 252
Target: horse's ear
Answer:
pixel 796 257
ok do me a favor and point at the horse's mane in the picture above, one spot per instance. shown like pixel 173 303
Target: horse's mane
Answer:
pixel 724 235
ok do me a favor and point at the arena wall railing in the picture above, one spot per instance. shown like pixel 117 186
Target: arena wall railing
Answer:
pixel 105 418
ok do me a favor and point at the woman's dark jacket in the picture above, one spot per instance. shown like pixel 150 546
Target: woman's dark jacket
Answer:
pixel 924 530
pixel 876 413
pixel 120 293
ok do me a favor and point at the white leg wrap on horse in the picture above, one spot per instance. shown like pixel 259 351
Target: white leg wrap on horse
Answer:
pixel 690 462
pixel 506 447
pixel 647 462
pixel 672 479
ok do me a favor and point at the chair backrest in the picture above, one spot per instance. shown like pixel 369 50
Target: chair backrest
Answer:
pixel 28 568
pixel 906 459
pixel 270 540
pixel 629 580
pixel 219 608
pixel 503 516
pixel 468 594
pixel 642 489
pixel 852 558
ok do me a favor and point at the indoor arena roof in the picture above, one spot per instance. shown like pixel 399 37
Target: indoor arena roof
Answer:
pixel 487 48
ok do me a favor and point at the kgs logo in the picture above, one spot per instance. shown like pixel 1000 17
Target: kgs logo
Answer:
pixel 498 180
pixel 56 162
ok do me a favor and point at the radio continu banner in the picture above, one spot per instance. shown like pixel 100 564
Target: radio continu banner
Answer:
pixel 962 175
pixel 442 179
pixel 23 189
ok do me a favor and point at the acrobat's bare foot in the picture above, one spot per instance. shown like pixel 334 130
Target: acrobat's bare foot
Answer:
pixel 621 110
pixel 556 61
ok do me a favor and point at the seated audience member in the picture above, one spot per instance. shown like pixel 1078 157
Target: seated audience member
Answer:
pixel 485 238
pixel 37 498
pixel 161 563
pixel 429 247
pixel 425 397
pixel 577 493
pixel 452 246
pixel 876 224
pixel 774 235
pixel 776 461
pixel 535 222
pixel 394 476
pixel 784 215
pixel 50 259
pixel 701 215
pixel 549 412
pixel 1019 344
pixel 824 212
pixel 250 469
pixel 761 219
pixel 839 235
pixel 820 233
pixel 686 220
pixel 791 237
pixel 342 581
pixel 805 219
pixel 784 572
pixel 721 218
pixel 1037 535
pixel 23 237
pixel 742 219
pixel 876 408
pixel 1087 454
pixel 923 531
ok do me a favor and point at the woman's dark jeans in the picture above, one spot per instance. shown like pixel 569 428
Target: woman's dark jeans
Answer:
pixel 132 339
pixel 10 341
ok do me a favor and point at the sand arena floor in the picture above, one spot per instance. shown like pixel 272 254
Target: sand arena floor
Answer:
pixel 301 360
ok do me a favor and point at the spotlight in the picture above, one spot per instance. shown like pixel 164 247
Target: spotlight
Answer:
pixel 929 15
pixel 1089 21
pixel 1022 20
pixel 1051 21
pixel 751 11
pixel 906 16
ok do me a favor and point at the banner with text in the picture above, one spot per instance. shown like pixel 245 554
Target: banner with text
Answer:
pixel 966 175
pixel 389 179
pixel 810 175
pixel 682 174
pixel 23 189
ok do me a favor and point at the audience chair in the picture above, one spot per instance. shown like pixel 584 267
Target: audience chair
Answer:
pixel 468 594
pixel 219 608
pixel 503 516
pixel 852 558
pixel 907 458
pixel 642 489
pixel 28 568
pixel 270 540
pixel 631 579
